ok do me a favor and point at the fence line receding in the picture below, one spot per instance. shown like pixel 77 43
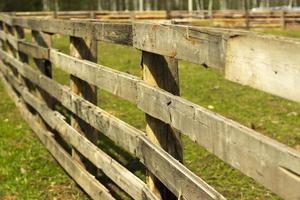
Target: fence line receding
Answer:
pixel 267 63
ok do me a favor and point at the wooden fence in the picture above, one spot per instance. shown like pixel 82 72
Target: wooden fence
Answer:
pixel 267 63
pixel 218 18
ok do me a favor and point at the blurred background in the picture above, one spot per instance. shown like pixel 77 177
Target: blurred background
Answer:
pixel 121 5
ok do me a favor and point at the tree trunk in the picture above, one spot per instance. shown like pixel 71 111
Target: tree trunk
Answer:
pixel 190 6
pixel 46 5
pixel 210 8
pixel 141 5
pixel 223 5
pixel 99 5
pixel 56 8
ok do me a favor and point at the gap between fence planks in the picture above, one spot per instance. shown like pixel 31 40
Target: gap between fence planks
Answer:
pixel 86 181
pixel 241 147
pixel 173 174
pixel 116 172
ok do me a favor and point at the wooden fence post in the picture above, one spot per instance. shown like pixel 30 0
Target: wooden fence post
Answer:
pixel 19 31
pixel 44 66
pixel 84 49
pixel 1 41
pixel 283 24
pixel 20 34
pixel 9 31
pixel 162 72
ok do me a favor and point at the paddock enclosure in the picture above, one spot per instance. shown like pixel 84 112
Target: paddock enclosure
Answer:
pixel 264 62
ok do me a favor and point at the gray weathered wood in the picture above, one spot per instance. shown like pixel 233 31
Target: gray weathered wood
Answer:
pixel 13 42
pixel 120 84
pixel 33 50
pixel 181 42
pixel 172 173
pixel 267 63
pixel 208 46
pixel 116 172
pixel 243 148
pixel 117 33
pixel 85 180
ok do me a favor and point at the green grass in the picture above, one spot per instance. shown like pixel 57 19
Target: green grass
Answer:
pixel 291 32
pixel 270 115
pixel 27 171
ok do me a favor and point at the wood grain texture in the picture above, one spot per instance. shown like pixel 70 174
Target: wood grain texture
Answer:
pixel 116 33
pixel 33 50
pixel 116 172
pixel 87 182
pixel 210 47
pixel 181 42
pixel 243 148
pixel 275 68
pixel 182 182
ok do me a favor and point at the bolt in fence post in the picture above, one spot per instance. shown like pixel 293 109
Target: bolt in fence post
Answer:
pixel 161 71
pixel 84 49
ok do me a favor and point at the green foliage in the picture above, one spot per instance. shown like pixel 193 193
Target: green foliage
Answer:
pixel 23 5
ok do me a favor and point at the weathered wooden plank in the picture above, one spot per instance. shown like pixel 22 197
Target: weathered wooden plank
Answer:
pixel 2 35
pixel 90 185
pixel 6 18
pixel 10 40
pixel 33 50
pixel 28 48
pixel 182 182
pixel 117 33
pixel 116 172
pixel 13 41
pixel 217 134
pixel 243 148
pixel 181 42
pixel 266 63
pixel 120 84
pixel 207 46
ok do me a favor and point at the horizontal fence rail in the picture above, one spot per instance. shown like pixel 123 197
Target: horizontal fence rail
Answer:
pixel 264 62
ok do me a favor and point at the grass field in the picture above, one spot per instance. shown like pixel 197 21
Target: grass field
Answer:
pixel 27 171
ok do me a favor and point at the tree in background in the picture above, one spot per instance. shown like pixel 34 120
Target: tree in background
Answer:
pixel 26 5
pixel 38 5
